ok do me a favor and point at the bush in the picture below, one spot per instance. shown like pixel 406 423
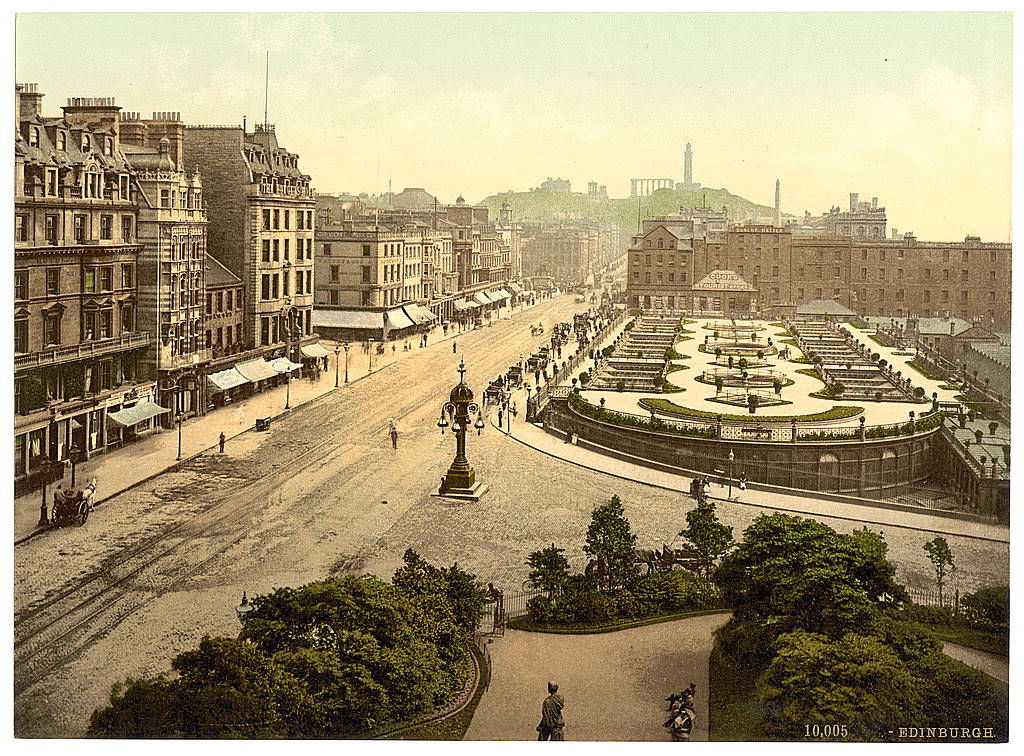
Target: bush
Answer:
pixel 988 608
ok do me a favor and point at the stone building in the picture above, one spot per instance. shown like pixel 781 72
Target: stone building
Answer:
pixel 863 220
pixel 172 263
pixel 77 342
pixel 571 252
pixel 225 313
pixel 262 214
pixel 887 277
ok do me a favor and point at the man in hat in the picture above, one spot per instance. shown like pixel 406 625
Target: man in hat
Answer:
pixel 551 722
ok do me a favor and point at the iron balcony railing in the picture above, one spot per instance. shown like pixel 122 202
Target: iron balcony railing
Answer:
pixel 59 355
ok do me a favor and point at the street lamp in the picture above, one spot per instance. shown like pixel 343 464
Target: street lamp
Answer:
pixel 75 456
pixel 178 417
pixel 460 480
pixel 243 609
pixel 370 342
pixel 45 468
pixel 345 347
pixel 337 363
pixel 731 458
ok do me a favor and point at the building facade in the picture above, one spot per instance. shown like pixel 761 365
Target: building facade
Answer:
pixel 262 217
pixel 78 345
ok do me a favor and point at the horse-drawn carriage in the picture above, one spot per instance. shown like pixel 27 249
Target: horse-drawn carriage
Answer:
pixel 514 377
pixel 71 506
pixel 495 391
pixel 538 360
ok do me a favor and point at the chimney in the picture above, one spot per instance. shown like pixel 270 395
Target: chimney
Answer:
pixel 82 111
pixel 895 233
pixel 30 100
pixel 168 124
pixel 853 201
pixel 778 203
pixel 874 203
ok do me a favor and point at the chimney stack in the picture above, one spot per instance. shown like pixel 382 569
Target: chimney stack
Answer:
pixel 778 203
pixel 82 111
pixel 30 100
pixel 874 203
pixel 854 196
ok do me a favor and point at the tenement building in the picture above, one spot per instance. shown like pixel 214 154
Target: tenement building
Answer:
pixel 872 276
pixel 261 211
pixel 172 264
pixel 78 346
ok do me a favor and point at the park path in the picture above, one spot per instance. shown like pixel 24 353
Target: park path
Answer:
pixel 991 664
pixel 614 684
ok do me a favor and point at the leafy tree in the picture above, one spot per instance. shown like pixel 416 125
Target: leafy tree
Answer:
pixel 610 537
pixel 709 536
pixel 989 607
pixel 942 561
pixel 465 597
pixel 140 709
pixel 855 680
pixel 549 568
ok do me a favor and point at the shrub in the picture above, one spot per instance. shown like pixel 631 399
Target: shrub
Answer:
pixel 988 608
pixel 918 392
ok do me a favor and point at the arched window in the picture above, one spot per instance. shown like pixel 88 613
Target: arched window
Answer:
pixel 33 137
pixel 661 243
pixel 62 141
pixel 108 146
pixel 828 472
pixel 86 143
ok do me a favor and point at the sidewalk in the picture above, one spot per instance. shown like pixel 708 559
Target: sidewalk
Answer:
pixel 538 439
pixel 123 468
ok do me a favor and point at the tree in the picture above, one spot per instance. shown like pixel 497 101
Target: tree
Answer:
pixel 709 536
pixel 718 383
pixel 549 568
pixel 942 561
pixel 752 401
pixel 611 538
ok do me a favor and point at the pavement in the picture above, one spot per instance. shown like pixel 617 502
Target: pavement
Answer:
pixel 614 684
pixel 991 664
pixel 119 469
pixel 696 395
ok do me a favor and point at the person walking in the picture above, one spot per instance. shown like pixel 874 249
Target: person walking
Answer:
pixel 551 722
pixel 454 344
pixel 393 432
pixel 221 441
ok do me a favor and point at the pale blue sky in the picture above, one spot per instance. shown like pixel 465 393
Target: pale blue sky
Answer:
pixel 912 108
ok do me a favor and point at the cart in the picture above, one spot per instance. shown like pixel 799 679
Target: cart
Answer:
pixel 71 506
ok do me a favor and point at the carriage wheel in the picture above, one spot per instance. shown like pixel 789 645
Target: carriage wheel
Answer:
pixel 54 517
pixel 83 515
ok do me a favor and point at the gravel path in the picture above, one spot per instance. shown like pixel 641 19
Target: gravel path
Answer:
pixel 614 684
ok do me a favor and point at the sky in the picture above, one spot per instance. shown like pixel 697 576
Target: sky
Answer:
pixel 912 108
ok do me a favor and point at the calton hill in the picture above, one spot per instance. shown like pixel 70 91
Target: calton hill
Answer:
pixel 822 643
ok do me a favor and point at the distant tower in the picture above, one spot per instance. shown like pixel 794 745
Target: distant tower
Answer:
pixel 778 203
pixel 688 166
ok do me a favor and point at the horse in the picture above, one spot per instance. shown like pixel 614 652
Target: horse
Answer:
pixel 89 492
pixel 598 570
pixel 649 557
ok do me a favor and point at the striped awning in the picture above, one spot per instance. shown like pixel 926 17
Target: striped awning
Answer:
pixel 396 320
pixel 481 298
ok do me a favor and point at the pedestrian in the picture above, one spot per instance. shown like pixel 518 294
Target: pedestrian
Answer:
pixel 499 416
pixel 454 344
pixel 221 441
pixel 551 722
pixel 515 410
pixel 394 437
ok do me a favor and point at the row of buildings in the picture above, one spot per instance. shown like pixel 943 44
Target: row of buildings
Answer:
pixel 159 269
pixel 569 253
pixel 845 256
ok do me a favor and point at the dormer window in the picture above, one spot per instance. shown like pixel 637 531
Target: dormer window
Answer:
pixel 108 146
pixel 33 137
pixel 86 143
pixel 62 141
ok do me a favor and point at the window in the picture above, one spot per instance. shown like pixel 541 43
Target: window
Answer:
pixel 899 272
pixel 965 255
pixel 945 296
pixel 775 270
pixel 51 328
pixel 89 284
pixel 266 220
pixel 51 182
pixel 265 286
pixel 881 274
pixel 21 284
pixel 366 250
pixel 277 219
pixel 285 284
pixel 52 281
pixel 275 286
pixel 945 255
pixel 220 301
pixel 927 272
pixel 927 296
pixel 992 296
pixel 300 220
pixel 79 228
pixel 277 250
pixel 106 279
pixel 127 224
pixel 21 335
pixel 963 275
pixel 334 294
pixel 108 146
pixel 165 198
pixel 335 272
pixel 106 323
pixel 265 256
pixel 86 143
pixel 863 274
pixel 993 254
pixel 62 141
pixel 365 272
pixel 287 255
pixel 945 275
pixel 127 319
pixel 106 227
pixel 963 296
pixel 286 215
pixel 21 227
pixel 33 136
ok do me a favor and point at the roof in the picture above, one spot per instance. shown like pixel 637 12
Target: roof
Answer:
pixel 723 280
pixel 940 326
pixel 995 352
pixel 823 307
pixel 218 275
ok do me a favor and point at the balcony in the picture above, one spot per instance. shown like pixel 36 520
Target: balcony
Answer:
pixel 61 355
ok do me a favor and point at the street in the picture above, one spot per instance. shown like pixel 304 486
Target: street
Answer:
pixel 321 493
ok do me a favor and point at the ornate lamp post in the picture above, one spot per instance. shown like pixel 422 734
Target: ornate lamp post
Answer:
pixel 243 609
pixel 75 456
pixel 731 458
pixel 345 347
pixel 45 469
pixel 460 480
pixel 337 363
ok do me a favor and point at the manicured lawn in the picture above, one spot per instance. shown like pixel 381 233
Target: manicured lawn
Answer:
pixel 879 340
pixel 924 371
pixel 839 412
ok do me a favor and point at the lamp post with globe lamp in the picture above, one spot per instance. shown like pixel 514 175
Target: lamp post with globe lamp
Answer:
pixel 460 481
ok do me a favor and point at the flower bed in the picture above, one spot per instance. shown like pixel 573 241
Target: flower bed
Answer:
pixel 839 412
pixel 586 409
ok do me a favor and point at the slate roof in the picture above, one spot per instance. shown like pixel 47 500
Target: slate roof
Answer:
pixel 218 275
pixel 824 307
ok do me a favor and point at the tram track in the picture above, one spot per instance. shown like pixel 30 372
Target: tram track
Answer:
pixel 52 632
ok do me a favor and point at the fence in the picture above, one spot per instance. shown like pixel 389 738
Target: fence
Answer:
pixel 923 597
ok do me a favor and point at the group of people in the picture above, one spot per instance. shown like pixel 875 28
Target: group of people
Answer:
pixel 699 488
pixel 680 705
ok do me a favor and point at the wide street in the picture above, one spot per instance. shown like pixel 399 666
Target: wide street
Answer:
pixel 321 493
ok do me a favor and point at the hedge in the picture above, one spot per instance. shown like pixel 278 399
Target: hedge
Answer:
pixel 839 412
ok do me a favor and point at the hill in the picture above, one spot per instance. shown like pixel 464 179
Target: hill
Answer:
pixel 543 204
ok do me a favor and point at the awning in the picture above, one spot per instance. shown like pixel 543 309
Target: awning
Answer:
pixel 481 298
pixel 417 314
pixel 501 294
pixel 397 320
pixel 355 319
pixel 462 305
pixel 256 370
pixel 133 415
pixel 516 288
pixel 226 379
pixel 314 350
pixel 284 365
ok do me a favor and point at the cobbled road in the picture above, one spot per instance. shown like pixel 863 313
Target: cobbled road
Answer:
pixel 165 563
